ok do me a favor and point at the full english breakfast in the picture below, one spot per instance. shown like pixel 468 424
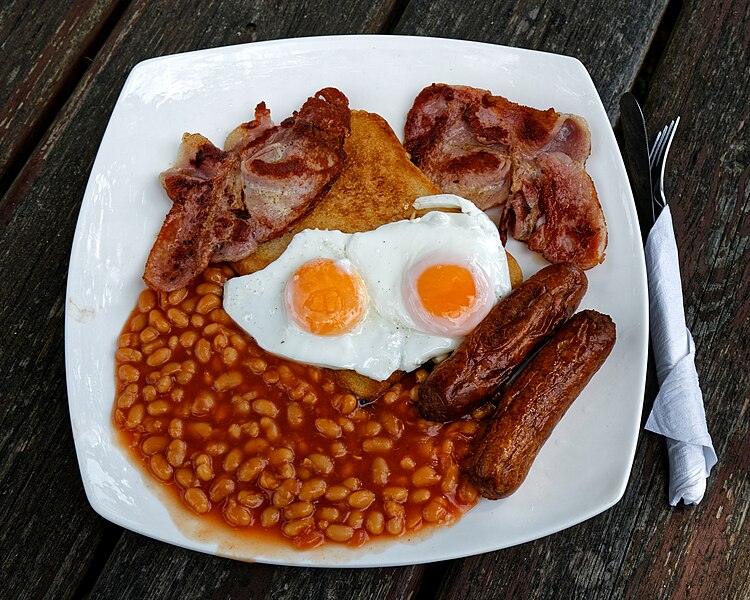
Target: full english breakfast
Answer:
pixel 329 322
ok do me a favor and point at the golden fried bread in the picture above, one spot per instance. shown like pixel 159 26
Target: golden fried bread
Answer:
pixel 377 186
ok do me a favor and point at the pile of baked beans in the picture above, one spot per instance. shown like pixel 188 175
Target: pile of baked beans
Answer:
pixel 269 444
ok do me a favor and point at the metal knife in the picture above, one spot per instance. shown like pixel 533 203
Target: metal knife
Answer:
pixel 635 153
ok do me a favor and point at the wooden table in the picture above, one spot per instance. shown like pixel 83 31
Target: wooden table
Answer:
pixel 62 68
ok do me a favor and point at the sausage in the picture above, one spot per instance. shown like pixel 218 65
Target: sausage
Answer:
pixel 515 326
pixel 536 401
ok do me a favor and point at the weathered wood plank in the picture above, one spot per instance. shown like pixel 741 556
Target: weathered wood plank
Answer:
pixel 53 536
pixel 47 43
pixel 611 39
pixel 642 548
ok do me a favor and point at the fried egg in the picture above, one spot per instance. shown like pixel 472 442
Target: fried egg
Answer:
pixel 377 301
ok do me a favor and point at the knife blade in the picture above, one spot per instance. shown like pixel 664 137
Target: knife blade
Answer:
pixel 635 146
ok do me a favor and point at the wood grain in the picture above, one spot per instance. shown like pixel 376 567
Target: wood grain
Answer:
pixel 610 39
pixel 47 43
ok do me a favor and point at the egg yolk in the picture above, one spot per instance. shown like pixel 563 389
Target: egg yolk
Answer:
pixel 325 298
pixel 446 291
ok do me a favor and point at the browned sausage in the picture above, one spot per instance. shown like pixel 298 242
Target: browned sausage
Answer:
pixel 535 402
pixel 517 325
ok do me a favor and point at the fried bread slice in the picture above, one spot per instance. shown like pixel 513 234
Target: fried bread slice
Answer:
pixel 377 186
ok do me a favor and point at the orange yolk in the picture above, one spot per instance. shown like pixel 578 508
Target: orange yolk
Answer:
pixel 447 291
pixel 325 299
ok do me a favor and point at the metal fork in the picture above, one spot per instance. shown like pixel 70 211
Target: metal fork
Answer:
pixel 657 160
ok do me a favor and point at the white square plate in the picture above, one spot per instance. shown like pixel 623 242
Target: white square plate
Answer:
pixel 584 467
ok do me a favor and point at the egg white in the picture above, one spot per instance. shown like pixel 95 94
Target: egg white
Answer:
pixel 388 338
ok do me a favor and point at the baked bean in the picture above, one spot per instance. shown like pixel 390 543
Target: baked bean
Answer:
pixel 393 425
pixel 251 499
pixel 256 445
pixel 220 489
pixel 203 350
pixel 361 499
pixel 152 347
pixel 196 499
pixel 237 515
pixel 352 483
pixel 158 408
pixel 128 355
pixel 309 398
pixel 271 376
pixel 176 451
pixel 228 381
pixel 229 356
pixel 251 428
pixel 450 479
pixel 468 428
pixel 269 517
pixel 434 511
pixel 153 444
pixel 297 527
pixel 200 430
pixel 127 340
pixel 250 469
pixel 336 493
pixel 173 341
pixel 328 428
pixel 128 373
pixel 425 476
pixel 377 444
pixel 268 481
pixel 467 493
pixel 347 425
pixel 421 375
pixel 176 428
pixel 328 386
pixel 328 514
pixel 298 392
pixel 149 334
pixel 375 522
pixel 286 471
pixel 338 449
pixel 256 365
pixel 345 403
pixel 219 315
pixel 135 416
pixel 232 460
pixel 396 494
pixel 298 510
pixel 146 300
pixel 234 431
pixel 220 342
pixel 177 296
pixel 239 343
pixel 177 395
pixel 265 407
pixel 356 519
pixel 159 357
pixel 197 320
pixel 178 318
pixel 188 305
pixel 280 456
pixel 380 471
pixel 207 303
pixel 269 427
pixel 339 533
pixel 128 396
pixel 158 321
pixel 160 467
pixel 203 469
pixel 209 288
pixel 372 428
pixel 295 414
pixel 320 463
pixel 407 463
pixel 153 425
pixel 312 489
pixel 138 322
pixel 164 384
pixel 188 338
pixel 419 496
pixel 390 397
pixel 185 477
pixel 395 525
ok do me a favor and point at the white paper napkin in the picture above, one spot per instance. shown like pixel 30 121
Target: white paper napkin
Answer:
pixel 678 412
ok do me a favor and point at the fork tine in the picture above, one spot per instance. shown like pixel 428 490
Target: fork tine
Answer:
pixel 669 137
pixel 654 150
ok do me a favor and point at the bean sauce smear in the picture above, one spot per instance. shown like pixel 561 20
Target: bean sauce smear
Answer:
pixel 262 443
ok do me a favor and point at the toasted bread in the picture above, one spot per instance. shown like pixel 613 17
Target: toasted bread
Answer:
pixel 378 185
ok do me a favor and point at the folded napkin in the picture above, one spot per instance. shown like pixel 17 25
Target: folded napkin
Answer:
pixel 678 412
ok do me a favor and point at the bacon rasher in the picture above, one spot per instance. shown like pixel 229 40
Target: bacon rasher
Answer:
pixel 226 202
pixel 530 162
